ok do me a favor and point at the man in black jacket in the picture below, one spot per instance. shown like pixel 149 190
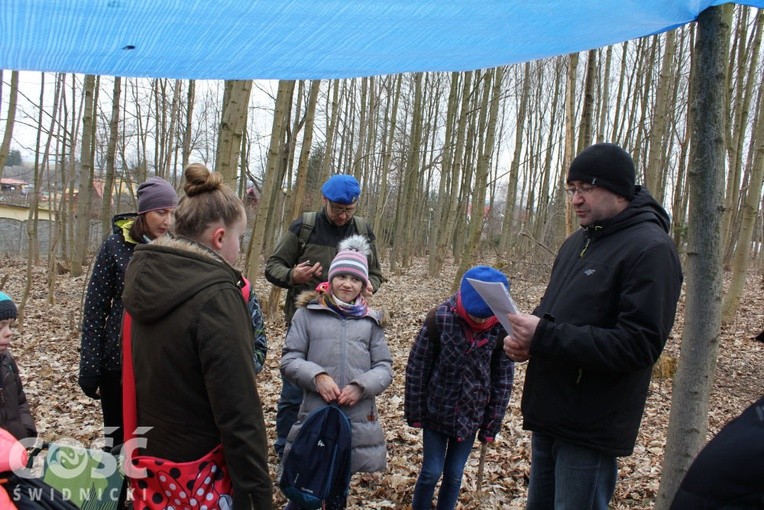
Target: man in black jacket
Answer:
pixel 603 321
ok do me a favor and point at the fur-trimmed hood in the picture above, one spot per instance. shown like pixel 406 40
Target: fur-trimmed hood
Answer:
pixel 167 272
pixel 309 299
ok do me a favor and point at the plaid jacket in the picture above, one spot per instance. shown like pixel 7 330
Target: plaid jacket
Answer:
pixel 458 386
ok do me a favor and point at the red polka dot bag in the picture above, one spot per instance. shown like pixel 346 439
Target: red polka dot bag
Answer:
pixel 159 484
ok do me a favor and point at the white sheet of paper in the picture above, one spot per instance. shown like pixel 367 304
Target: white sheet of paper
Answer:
pixel 497 297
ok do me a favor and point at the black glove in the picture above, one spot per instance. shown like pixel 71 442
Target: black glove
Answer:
pixel 89 385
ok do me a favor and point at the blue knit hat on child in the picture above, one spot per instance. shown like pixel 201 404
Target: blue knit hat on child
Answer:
pixel 7 307
pixel 471 301
pixel 341 189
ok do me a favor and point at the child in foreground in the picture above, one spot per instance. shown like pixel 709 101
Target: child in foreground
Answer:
pixel 458 384
pixel 336 351
pixel 15 416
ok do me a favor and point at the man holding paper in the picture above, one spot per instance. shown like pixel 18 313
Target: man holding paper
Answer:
pixel 603 321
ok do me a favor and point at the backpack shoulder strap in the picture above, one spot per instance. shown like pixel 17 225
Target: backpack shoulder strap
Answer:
pixel 432 326
pixel 308 222
pixel 360 225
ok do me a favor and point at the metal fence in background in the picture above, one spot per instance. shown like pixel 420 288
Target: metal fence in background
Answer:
pixel 14 241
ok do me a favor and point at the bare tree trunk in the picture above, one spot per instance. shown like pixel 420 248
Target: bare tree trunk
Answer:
pixel 402 243
pixel 331 133
pixel 111 154
pixel 270 186
pixel 307 141
pixel 741 103
pixel 54 231
pixel 190 99
pixel 507 234
pixel 86 176
pixel 435 256
pixel 31 221
pixel 490 108
pixel 654 169
pixel 10 120
pixel 688 420
pixel 751 204
pixel 570 136
pixel 232 123
pixel 587 113
pixel 387 153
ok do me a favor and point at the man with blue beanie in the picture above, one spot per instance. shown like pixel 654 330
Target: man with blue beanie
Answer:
pixel 301 261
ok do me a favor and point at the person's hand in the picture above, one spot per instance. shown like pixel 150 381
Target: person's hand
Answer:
pixel 327 388
pixel 304 271
pixel 517 346
pixel 514 351
pixel 485 439
pixel 89 385
pixel 368 290
pixel 350 395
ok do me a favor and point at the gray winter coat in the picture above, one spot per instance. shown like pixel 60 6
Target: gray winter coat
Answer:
pixel 350 350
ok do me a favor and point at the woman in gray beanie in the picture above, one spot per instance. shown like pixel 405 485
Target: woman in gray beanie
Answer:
pixel 100 354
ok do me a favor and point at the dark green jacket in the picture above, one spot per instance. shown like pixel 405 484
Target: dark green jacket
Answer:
pixel 321 246
pixel 192 354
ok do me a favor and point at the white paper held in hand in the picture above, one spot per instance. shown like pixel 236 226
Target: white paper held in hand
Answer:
pixel 497 297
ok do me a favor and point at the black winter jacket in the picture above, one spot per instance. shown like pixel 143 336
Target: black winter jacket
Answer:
pixel 100 346
pixel 606 314
pixel 15 416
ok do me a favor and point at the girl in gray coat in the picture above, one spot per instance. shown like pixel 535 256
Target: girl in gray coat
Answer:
pixel 336 351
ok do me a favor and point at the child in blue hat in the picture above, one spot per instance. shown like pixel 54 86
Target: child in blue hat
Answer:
pixel 458 384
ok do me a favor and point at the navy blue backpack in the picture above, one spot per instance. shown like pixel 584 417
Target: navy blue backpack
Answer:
pixel 317 468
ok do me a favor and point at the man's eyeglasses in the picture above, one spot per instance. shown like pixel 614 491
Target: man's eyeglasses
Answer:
pixel 339 210
pixel 582 190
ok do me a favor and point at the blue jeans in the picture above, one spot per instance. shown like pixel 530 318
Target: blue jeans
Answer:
pixel 441 455
pixel 286 412
pixel 565 476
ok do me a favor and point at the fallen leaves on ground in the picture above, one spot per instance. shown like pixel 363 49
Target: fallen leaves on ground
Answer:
pixel 47 351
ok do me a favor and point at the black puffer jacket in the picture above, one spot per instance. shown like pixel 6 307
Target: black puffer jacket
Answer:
pixel 606 315
pixel 15 416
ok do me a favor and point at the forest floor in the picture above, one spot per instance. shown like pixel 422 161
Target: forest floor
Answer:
pixel 46 348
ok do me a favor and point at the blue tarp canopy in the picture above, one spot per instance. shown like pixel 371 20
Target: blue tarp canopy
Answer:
pixel 309 39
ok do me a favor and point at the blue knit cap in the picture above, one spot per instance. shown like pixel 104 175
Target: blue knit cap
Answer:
pixel 7 307
pixel 471 300
pixel 341 189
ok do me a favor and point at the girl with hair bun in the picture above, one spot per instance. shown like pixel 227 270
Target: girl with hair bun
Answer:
pixel 192 355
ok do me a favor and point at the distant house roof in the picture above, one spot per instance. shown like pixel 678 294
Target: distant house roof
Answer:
pixel 13 182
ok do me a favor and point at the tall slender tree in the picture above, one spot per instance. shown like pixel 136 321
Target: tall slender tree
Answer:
pixel 688 419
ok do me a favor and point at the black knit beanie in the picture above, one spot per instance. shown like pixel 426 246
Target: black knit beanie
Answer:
pixel 7 307
pixel 606 165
